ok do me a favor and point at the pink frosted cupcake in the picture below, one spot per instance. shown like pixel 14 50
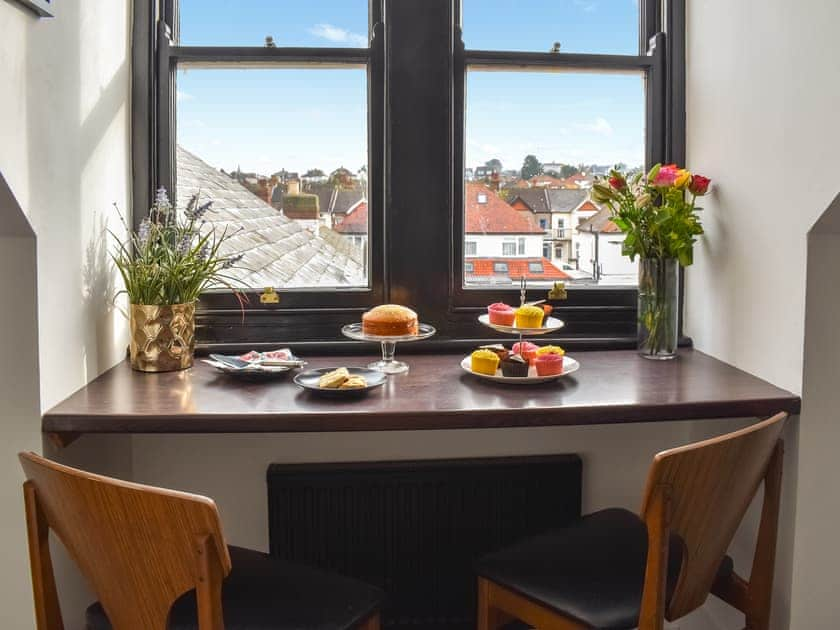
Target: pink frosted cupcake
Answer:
pixel 501 314
pixel 549 364
pixel 526 350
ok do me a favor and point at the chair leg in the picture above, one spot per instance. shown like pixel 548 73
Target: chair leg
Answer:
pixel 489 618
pixel 371 623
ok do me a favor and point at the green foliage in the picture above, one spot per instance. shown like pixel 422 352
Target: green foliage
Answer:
pixel 656 212
pixel 172 260
pixel 495 164
pixel 531 167
pixel 314 172
pixel 567 170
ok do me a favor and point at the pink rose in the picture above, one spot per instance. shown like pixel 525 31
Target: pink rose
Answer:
pixel 666 176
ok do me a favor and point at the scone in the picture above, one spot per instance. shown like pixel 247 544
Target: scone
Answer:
pixel 334 379
pixel 354 382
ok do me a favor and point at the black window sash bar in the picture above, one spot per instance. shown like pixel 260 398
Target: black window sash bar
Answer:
pixel 651 65
pixel 221 309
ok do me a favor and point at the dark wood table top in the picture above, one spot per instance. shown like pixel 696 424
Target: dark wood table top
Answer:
pixel 610 387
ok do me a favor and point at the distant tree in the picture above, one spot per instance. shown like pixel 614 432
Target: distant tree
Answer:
pixel 495 164
pixel 341 178
pixel 506 194
pixel 314 172
pixel 531 167
pixel 567 170
pixel 621 166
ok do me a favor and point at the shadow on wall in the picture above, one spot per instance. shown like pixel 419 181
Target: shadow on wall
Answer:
pixel 77 103
pixel 818 502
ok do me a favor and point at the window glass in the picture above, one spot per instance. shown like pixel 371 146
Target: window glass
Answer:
pixel 579 26
pixel 540 156
pixel 287 176
pixel 316 23
pixel 471 248
pixel 500 267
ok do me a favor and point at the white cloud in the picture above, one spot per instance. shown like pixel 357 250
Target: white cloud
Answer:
pixel 586 5
pixel 339 35
pixel 183 96
pixel 600 126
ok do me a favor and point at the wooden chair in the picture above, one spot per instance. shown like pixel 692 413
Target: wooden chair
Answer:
pixel 616 570
pixel 157 560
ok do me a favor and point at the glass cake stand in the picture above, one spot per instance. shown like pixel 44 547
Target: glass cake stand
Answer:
pixel 388 364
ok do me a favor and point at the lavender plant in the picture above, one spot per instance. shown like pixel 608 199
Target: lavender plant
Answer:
pixel 172 259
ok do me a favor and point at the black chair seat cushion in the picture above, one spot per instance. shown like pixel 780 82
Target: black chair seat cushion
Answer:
pixel 263 593
pixel 592 571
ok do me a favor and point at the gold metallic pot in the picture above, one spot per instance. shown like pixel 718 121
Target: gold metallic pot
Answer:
pixel 162 337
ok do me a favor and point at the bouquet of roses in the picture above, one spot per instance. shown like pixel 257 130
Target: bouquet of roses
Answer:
pixel 656 211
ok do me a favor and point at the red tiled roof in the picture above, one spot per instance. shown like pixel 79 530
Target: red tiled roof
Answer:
pixel 588 206
pixel 355 222
pixel 496 216
pixel 517 267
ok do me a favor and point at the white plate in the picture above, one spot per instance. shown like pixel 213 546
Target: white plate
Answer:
pixel 569 365
pixel 551 325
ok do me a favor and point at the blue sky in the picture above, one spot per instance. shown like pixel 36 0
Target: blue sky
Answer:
pixel 268 119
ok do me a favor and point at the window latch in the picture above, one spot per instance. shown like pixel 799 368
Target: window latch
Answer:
pixel 269 296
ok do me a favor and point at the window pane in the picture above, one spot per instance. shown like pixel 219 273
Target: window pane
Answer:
pixel 283 156
pixel 580 26
pixel 319 23
pixel 530 164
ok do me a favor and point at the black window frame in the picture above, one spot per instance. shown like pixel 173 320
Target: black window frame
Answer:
pixel 416 76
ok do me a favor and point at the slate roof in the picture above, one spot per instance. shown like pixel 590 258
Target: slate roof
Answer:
pixel 535 198
pixel 495 216
pixel 566 199
pixel 332 201
pixel 277 251
pixel 599 223
pixel 550 199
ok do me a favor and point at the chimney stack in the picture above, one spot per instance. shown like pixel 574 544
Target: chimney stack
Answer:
pixel 293 187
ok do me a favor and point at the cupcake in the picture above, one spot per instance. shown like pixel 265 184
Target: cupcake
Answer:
pixel 526 350
pixel 498 348
pixel 529 317
pixel 515 366
pixel 501 314
pixel 551 350
pixel 484 362
pixel 549 364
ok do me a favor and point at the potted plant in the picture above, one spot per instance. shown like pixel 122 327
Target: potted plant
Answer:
pixel 165 266
pixel 657 213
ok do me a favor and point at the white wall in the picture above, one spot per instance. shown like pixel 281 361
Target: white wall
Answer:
pixel 64 151
pixel 20 409
pixel 490 245
pixel 763 95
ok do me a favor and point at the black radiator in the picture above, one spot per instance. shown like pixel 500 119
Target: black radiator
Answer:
pixel 416 528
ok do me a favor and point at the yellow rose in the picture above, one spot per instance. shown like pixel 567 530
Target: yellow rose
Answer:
pixel 683 178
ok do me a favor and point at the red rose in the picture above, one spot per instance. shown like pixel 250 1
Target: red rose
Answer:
pixel 666 176
pixel 699 185
pixel 618 182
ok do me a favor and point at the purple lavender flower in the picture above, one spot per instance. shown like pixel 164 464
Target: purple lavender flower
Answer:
pixel 144 232
pixel 199 212
pixel 162 198
pixel 184 244
pixel 232 261
pixel 204 252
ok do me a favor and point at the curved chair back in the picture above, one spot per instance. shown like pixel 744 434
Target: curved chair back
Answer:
pixel 139 547
pixel 701 492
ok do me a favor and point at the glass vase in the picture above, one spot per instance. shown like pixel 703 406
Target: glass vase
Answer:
pixel 658 308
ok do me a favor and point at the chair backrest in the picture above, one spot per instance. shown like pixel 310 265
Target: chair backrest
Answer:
pixel 137 546
pixel 709 486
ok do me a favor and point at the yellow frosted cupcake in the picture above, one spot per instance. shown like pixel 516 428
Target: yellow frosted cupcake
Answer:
pixel 484 362
pixel 529 317
pixel 551 350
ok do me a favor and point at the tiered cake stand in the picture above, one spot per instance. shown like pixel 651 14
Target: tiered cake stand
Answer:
pixel 388 364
